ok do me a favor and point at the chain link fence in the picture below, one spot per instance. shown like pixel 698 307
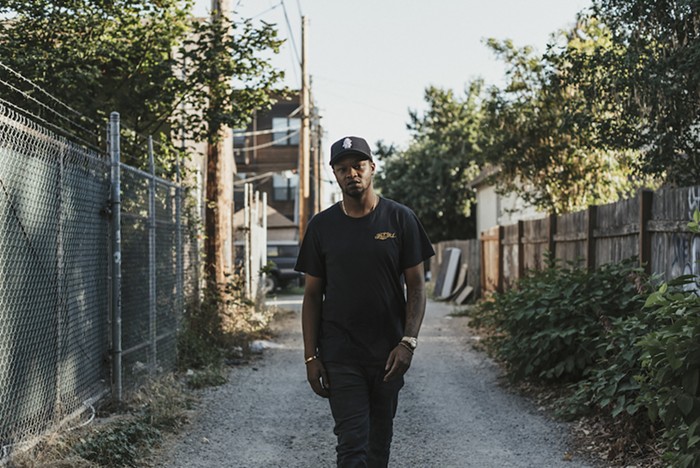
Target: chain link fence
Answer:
pixel 53 277
pixel 57 313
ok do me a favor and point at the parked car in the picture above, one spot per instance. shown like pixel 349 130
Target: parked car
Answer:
pixel 281 258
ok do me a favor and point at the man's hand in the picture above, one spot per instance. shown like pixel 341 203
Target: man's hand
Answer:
pixel 398 363
pixel 317 377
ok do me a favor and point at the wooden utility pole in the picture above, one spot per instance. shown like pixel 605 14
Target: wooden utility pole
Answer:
pixel 317 158
pixel 305 137
pixel 219 188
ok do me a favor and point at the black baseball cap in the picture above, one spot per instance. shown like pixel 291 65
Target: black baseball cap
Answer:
pixel 350 145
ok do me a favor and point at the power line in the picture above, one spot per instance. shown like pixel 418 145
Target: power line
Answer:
pixel 266 11
pixel 267 145
pixel 291 34
pixel 263 132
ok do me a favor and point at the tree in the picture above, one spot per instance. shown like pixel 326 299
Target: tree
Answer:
pixel 545 134
pixel 222 49
pixel 432 175
pixel 99 57
pixel 657 79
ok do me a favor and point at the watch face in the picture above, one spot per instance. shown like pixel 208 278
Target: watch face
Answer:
pixel 412 342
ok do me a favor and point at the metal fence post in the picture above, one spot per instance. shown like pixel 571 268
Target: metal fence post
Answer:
pixel 179 250
pixel 61 284
pixel 114 131
pixel 152 327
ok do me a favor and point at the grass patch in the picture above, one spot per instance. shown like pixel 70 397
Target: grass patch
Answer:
pixel 120 436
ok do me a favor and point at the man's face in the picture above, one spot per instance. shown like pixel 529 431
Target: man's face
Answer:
pixel 354 175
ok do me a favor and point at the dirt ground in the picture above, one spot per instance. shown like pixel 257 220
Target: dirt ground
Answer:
pixel 452 410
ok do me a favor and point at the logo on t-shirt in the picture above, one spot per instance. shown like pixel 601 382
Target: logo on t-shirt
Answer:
pixel 385 235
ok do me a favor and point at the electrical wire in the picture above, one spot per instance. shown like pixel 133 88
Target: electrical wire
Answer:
pixel 263 132
pixel 267 145
pixel 291 34
pixel 267 11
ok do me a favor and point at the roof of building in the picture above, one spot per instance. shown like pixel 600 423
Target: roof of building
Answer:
pixel 275 219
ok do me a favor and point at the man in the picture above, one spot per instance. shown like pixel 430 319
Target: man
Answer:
pixel 360 328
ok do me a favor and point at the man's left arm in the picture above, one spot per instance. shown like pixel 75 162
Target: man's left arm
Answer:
pixel 400 357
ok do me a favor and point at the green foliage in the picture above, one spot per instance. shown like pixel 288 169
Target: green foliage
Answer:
pixel 126 439
pixel 99 57
pixel 218 328
pixel 656 81
pixel 216 51
pixel 694 225
pixel 432 175
pixel 149 60
pixel 542 131
pixel 551 326
pixel 119 445
pixel 611 384
pixel 634 356
pixel 671 362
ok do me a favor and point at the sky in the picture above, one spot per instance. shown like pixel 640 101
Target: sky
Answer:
pixel 370 61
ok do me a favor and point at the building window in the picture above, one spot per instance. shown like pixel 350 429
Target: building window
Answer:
pixel 240 155
pixel 285 187
pixel 239 138
pixel 286 131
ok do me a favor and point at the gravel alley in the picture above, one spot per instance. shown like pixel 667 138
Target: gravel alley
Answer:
pixel 452 411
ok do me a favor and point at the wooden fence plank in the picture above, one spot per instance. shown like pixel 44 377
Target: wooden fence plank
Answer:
pixel 646 198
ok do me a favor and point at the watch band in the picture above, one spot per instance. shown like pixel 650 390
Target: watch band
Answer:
pixel 411 341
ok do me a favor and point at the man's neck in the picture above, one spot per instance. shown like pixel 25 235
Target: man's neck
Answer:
pixel 360 206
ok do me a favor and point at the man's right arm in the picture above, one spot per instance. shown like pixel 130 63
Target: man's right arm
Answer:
pixel 310 325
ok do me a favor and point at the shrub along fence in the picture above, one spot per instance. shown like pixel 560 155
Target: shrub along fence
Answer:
pixel 652 226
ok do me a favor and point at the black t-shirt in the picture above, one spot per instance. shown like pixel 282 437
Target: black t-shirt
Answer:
pixel 362 262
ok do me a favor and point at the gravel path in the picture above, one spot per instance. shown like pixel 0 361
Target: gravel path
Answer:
pixel 452 412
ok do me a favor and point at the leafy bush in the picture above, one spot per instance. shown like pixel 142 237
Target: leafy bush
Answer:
pixel 670 360
pixel 120 444
pixel 611 384
pixel 552 325
pixel 205 335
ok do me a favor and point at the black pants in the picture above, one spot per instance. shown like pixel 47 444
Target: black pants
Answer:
pixel 363 406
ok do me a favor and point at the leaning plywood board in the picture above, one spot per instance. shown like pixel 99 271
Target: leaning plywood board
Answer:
pixel 460 283
pixel 448 273
pixel 463 295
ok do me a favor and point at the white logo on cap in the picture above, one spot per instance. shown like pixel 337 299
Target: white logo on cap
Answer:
pixel 347 143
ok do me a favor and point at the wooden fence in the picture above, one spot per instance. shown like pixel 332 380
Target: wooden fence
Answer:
pixel 470 258
pixel 651 226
